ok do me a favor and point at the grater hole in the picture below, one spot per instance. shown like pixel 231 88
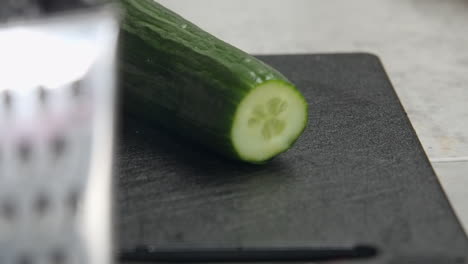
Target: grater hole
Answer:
pixel 41 205
pixel 58 146
pixel 73 200
pixel 42 94
pixel 8 210
pixel 24 259
pixel 24 151
pixel 77 88
pixel 7 99
pixel 58 256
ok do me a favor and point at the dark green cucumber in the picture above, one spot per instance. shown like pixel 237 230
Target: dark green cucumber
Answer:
pixel 200 87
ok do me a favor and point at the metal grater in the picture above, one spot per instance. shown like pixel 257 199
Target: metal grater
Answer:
pixel 57 89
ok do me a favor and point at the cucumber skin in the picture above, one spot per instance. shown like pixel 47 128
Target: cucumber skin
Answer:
pixel 183 78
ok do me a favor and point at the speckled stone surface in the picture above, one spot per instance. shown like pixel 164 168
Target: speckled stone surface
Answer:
pixel 422 43
pixel 357 175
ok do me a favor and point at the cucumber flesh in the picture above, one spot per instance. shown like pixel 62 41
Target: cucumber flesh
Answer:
pixel 268 121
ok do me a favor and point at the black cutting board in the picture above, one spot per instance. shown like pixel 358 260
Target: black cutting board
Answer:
pixel 357 175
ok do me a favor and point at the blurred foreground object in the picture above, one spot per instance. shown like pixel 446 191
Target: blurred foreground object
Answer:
pixel 13 9
pixel 57 89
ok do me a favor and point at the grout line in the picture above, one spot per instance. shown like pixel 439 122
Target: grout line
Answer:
pixel 450 159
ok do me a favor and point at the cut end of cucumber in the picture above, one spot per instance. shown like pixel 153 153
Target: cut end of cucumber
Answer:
pixel 268 121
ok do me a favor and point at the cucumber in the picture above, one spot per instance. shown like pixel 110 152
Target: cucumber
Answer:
pixel 186 80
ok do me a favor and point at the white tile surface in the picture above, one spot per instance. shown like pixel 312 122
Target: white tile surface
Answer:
pixel 422 43
pixel 455 183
